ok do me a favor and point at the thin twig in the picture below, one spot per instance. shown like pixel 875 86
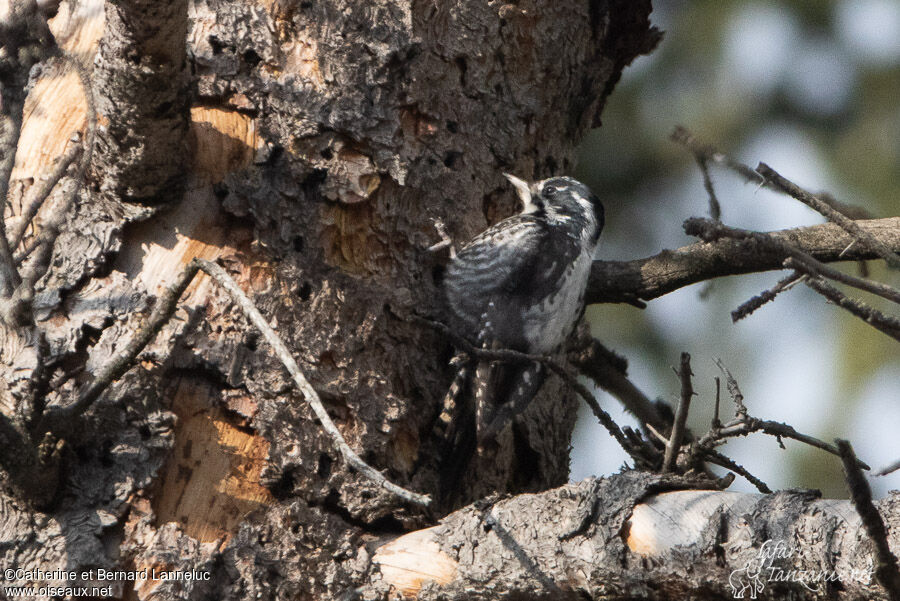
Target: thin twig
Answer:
pixel 712 230
pixel 713 456
pixel 681 414
pixel 749 425
pixel 58 419
pixel 9 276
pixel 732 386
pixel 875 318
pixel 312 397
pixel 716 423
pixel 40 192
pixel 850 226
pixel 749 307
pixel 161 313
pixel 715 209
pixel 511 356
pixel 813 267
pixel 887 572
pixel 889 469
pixel 682 136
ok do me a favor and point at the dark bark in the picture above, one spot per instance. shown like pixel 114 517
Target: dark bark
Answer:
pixel 142 86
pixel 326 136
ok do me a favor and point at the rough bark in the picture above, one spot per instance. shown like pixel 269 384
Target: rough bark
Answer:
pixel 141 81
pixel 635 536
pixel 324 138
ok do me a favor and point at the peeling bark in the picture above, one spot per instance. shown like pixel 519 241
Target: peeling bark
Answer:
pixel 324 137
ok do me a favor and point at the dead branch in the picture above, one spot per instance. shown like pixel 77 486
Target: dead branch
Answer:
pixel 887 572
pixel 864 238
pixel 652 277
pixel 744 424
pixel 628 536
pixel 875 318
pixel 681 414
pixel 750 306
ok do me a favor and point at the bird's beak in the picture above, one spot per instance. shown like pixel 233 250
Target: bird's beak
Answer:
pixel 524 192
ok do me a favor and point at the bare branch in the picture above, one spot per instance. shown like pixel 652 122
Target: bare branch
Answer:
pixel 709 153
pixel 17 310
pixel 802 264
pixel 713 456
pixel 888 469
pixel 863 237
pixel 875 318
pixel 309 393
pixel 733 390
pixel 681 414
pixel 887 572
pixel 652 277
pixel 40 192
pixel 608 371
pixel 749 307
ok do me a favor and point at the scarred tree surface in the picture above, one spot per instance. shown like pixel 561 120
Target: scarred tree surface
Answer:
pixel 308 147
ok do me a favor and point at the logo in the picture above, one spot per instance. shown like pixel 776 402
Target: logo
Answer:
pixel 750 580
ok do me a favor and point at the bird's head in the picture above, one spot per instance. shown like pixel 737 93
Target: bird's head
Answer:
pixel 561 200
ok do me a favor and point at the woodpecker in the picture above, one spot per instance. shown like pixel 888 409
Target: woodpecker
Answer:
pixel 520 285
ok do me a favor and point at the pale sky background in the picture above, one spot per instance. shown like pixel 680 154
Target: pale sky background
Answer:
pixel 786 356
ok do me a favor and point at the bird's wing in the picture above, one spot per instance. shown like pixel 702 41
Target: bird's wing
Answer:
pixel 517 258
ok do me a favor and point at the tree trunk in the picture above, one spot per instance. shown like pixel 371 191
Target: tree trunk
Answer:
pixel 324 139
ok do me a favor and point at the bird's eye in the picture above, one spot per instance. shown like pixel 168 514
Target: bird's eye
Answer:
pixel 550 191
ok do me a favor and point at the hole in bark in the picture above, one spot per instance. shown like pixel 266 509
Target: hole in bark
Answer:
pixel 215 44
pixel 452 127
pixel 463 68
pixel 387 523
pixel 106 459
pixel 305 291
pixel 297 242
pixel 315 177
pixel 251 341
pixel 283 486
pixel 325 463
pixel 327 154
pixel 451 158
pixel 220 190
pixel 437 274
pixel 251 57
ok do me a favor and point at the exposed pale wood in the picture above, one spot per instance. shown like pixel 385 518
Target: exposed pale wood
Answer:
pixel 621 538
pixel 222 141
pixel 413 560
pixel 212 480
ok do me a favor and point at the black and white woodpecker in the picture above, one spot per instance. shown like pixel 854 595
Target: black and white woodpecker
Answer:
pixel 520 285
